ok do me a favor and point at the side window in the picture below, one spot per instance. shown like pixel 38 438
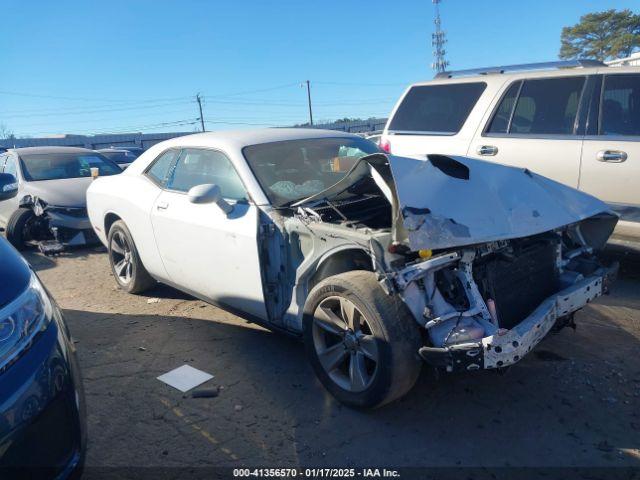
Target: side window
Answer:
pixel 198 166
pixel 10 166
pixel 160 168
pixel 500 121
pixel 620 108
pixel 547 106
pixel 437 109
pixel 3 158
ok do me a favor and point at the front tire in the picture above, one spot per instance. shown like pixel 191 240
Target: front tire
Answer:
pixel 362 343
pixel 127 268
pixel 17 227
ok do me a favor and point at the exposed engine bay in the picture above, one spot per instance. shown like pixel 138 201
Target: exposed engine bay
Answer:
pixel 487 306
pixel 485 287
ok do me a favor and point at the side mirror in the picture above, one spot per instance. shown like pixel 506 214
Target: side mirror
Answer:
pixel 8 186
pixel 209 193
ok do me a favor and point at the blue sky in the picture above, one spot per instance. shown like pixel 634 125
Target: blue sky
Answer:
pixel 136 65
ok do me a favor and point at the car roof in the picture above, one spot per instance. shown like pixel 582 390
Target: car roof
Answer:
pixel 112 150
pixel 239 139
pixel 46 150
pixel 518 74
pixel 118 149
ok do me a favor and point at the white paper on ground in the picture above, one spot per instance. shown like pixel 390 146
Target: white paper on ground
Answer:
pixel 185 378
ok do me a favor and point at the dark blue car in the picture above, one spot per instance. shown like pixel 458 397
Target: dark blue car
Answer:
pixel 42 410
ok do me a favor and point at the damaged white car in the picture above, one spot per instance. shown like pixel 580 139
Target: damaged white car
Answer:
pixel 43 195
pixel 380 263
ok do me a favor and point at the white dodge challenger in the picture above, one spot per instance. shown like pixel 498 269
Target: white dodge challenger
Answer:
pixel 380 263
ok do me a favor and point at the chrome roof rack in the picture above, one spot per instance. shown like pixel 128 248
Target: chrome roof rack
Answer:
pixel 523 67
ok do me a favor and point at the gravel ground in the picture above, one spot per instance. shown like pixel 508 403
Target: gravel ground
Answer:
pixel 572 402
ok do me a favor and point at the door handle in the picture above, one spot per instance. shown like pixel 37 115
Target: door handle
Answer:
pixel 612 156
pixel 162 205
pixel 487 150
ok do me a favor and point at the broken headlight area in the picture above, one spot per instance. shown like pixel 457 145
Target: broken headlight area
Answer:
pixel 53 229
pixel 487 306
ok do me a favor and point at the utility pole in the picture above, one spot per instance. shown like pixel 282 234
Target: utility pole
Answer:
pixel 309 100
pixel 438 39
pixel 199 100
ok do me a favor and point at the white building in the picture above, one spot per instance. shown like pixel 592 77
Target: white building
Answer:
pixel 632 60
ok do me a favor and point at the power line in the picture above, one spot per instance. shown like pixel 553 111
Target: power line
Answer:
pixel 119 100
pixel 247 92
pixel 85 99
pixel 101 110
pixel 127 129
pixel 362 84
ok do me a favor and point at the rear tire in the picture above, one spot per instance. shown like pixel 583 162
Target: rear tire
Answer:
pixel 127 268
pixel 16 227
pixel 380 337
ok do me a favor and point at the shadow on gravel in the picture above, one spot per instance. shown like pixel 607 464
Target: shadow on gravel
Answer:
pixel 271 409
pixel 629 260
pixel 40 261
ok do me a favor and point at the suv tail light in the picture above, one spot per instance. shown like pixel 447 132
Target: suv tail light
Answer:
pixel 385 145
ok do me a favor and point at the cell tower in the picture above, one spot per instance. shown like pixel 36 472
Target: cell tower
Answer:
pixel 438 39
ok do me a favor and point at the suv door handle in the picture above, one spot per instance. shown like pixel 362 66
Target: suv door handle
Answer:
pixel 612 156
pixel 487 150
pixel 162 205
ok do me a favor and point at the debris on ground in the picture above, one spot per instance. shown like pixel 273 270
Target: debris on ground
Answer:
pixel 206 393
pixel 185 378
pixel 153 300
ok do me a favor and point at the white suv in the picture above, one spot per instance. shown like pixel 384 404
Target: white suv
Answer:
pixel 576 122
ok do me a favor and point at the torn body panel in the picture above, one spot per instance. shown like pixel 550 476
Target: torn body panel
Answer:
pixel 317 250
pixel 514 251
pixel 490 202
pixel 487 306
pixel 52 229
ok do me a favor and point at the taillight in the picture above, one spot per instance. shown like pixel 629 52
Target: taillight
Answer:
pixel 385 145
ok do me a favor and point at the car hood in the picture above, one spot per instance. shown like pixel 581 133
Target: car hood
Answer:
pixel 445 201
pixel 67 192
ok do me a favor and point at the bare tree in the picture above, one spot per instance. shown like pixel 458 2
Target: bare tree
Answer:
pixel 6 133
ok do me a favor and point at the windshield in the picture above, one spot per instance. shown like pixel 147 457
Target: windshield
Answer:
pixel 56 166
pixel 121 157
pixel 295 169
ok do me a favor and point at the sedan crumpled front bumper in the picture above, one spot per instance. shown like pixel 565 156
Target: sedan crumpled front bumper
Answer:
pixel 509 346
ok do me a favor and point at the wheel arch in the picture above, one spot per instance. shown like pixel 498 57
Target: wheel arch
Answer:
pixel 345 259
pixel 109 219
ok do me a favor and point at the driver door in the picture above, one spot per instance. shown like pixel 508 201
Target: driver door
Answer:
pixel 205 251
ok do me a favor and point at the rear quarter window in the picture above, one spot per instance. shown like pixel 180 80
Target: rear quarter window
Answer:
pixel 438 109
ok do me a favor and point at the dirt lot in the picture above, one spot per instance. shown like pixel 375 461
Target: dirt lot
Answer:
pixel 573 402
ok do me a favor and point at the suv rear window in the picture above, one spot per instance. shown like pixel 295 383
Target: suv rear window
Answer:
pixel 438 109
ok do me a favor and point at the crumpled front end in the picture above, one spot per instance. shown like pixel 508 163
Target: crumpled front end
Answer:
pixel 488 258
pixel 54 229
pixel 495 257
pixel 488 306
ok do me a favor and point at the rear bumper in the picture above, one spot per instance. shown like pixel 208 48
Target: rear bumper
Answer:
pixel 509 347
pixel 42 421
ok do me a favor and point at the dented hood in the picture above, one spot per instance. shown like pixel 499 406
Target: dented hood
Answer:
pixel 446 201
